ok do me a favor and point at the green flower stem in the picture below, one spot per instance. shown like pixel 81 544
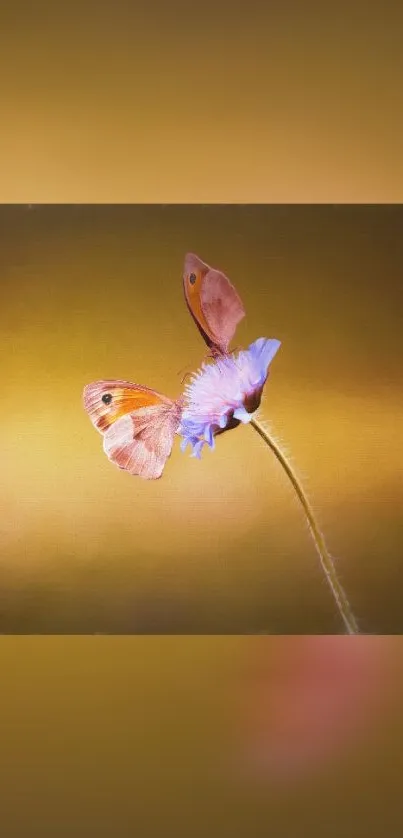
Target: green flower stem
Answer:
pixel 326 561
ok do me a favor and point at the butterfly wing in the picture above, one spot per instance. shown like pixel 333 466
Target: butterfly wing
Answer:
pixel 213 303
pixel 142 444
pixel 138 425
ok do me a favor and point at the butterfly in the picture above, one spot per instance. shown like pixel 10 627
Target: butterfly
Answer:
pixel 213 303
pixel 138 424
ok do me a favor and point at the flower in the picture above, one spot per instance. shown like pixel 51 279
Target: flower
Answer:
pixel 223 394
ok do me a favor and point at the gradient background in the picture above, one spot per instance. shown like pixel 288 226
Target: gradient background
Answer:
pixel 221 100
pixel 162 102
pixel 95 292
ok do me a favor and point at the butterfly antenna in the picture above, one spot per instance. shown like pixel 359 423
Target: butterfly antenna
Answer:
pixel 210 356
pixel 186 375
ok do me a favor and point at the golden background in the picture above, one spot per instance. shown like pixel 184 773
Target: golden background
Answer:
pixel 163 102
pixel 225 100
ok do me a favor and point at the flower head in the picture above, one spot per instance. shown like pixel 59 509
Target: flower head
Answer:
pixel 223 394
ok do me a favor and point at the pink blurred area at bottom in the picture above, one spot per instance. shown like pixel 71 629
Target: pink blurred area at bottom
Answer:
pixel 308 700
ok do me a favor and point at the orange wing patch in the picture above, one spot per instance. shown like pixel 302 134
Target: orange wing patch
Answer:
pixel 194 272
pixel 108 401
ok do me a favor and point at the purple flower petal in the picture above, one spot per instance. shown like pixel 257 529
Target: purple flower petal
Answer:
pixel 228 389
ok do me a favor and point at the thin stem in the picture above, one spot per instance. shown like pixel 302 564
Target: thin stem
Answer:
pixel 319 541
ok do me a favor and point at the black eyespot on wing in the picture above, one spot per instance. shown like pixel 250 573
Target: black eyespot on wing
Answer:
pixel 107 398
pixel 192 279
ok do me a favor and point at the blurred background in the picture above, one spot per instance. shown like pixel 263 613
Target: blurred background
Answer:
pixel 195 736
pixel 220 545
pixel 220 101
